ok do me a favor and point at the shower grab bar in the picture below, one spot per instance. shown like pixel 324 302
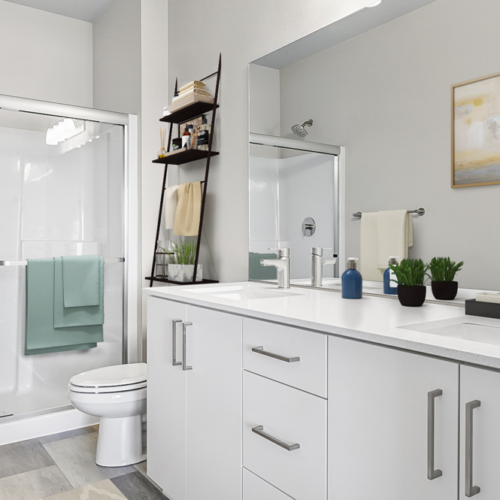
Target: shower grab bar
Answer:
pixel 418 211
pixel 7 263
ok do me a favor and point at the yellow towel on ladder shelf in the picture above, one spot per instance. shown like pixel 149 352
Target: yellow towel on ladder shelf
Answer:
pixel 187 215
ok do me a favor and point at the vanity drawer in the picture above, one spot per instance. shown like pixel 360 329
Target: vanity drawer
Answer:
pixel 291 417
pixel 309 373
pixel 254 488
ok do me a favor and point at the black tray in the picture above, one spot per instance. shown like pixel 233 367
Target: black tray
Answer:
pixel 484 309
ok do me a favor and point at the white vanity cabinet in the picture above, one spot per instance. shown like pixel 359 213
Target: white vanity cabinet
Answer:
pixel 479 433
pixel 382 408
pixel 194 401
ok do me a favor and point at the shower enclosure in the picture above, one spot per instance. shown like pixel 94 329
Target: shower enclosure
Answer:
pixel 63 191
pixel 296 202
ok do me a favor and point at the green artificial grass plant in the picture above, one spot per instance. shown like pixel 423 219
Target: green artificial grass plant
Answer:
pixel 410 272
pixel 443 269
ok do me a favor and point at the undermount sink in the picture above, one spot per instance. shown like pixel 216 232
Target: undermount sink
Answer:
pixel 485 331
pixel 470 331
pixel 244 293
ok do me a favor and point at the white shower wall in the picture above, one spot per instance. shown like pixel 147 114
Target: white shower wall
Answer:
pixel 283 192
pixel 54 204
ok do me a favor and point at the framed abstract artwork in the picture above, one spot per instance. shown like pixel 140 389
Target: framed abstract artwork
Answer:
pixel 475 149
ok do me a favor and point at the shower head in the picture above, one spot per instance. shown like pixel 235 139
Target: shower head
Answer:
pixel 300 130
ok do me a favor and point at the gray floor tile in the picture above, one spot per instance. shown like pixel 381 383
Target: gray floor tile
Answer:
pixel 142 467
pixel 104 489
pixel 76 459
pixel 34 484
pixel 136 487
pixel 66 435
pixel 22 457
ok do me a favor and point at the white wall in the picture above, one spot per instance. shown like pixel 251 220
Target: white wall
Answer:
pixel 385 96
pixel 242 32
pixel 45 56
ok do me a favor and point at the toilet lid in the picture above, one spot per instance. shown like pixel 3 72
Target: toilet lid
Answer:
pixel 112 376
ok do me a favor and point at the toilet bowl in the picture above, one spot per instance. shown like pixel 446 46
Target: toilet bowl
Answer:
pixel 118 395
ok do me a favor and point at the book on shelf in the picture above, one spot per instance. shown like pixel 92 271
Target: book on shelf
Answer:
pixel 188 101
pixel 191 92
pixel 194 84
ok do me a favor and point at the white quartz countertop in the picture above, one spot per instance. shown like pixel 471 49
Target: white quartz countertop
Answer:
pixel 378 320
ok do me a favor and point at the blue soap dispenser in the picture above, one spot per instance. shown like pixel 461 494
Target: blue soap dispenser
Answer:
pixel 390 287
pixel 352 281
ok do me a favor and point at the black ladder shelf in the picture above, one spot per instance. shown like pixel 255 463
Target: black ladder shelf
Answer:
pixel 183 115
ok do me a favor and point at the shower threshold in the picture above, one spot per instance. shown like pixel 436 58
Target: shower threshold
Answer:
pixel 10 417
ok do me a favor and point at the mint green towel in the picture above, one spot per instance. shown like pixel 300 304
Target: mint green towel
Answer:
pixel 76 316
pixel 258 272
pixel 41 336
pixel 81 277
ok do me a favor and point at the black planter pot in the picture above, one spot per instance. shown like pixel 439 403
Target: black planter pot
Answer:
pixel 444 290
pixel 411 296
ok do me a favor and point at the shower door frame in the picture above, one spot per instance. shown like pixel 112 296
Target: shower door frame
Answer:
pixel 130 200
pixel 338 183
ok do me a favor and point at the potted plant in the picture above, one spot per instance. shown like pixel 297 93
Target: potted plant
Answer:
pixel 182 269
pixel 443 272
pixel 410 274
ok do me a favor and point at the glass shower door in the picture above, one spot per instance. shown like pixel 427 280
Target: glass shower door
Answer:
pixel 61 193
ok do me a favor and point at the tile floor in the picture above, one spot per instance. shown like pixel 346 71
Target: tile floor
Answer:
pixel 62 467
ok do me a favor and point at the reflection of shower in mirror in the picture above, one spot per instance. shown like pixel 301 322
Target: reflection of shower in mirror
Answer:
pixel 300 129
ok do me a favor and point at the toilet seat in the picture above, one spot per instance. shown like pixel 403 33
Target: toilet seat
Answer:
pixel 110 379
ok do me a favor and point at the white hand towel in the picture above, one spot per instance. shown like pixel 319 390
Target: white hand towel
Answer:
pixel 395 236
pixel 170 203
pixel 368 262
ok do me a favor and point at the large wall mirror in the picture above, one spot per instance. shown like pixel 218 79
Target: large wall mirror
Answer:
pixel 403 93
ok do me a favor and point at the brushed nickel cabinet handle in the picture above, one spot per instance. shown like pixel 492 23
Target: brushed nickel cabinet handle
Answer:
pixel 470 490
pixel 259 430
pixel 185 367
pixel 174 342
pixel 260 350
pixel 431 472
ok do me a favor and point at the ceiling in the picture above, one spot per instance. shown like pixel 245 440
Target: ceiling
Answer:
pixel 85 10
pixel 338 32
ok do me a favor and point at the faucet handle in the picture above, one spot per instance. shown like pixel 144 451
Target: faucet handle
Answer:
pixel 319 251
pixel 282 252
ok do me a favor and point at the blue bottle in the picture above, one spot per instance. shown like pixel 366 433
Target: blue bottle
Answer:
pixel 390 287
pixel 352 281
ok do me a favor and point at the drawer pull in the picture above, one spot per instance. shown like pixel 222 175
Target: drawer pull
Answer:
pixel 185 367
pixel 470 489
pixel 260 350
pixel 432 473
pixel 174 342
pixel 260 431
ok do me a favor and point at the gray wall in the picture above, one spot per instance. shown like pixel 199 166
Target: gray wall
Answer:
pixel 45 56
pixel 243 31
pixel 385 96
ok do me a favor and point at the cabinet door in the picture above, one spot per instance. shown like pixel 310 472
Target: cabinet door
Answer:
pixel 479 433
pixel 378 424
pixel 214 405
pixel 166 399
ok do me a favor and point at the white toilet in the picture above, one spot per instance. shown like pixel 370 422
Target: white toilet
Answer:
pixel 117 394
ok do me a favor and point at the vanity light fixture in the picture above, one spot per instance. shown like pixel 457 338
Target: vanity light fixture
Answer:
pixel 65 129
pixel 374 4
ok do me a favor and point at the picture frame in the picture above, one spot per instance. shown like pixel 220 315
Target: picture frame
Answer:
pixel 475 132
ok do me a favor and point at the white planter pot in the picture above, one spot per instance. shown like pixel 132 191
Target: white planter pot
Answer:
pixel 184 273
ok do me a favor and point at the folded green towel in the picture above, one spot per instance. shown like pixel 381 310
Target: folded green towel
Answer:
pixel 41 336
pixel 258 272
pixel 81 277
pixel 76 316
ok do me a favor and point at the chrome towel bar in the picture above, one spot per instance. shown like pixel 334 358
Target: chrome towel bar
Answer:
pixel 7 263
pixel 418 211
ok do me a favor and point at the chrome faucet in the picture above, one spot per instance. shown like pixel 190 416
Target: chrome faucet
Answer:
pixel 318 262
pixel 282 264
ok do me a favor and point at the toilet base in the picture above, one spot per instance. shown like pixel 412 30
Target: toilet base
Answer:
pixel 120 442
